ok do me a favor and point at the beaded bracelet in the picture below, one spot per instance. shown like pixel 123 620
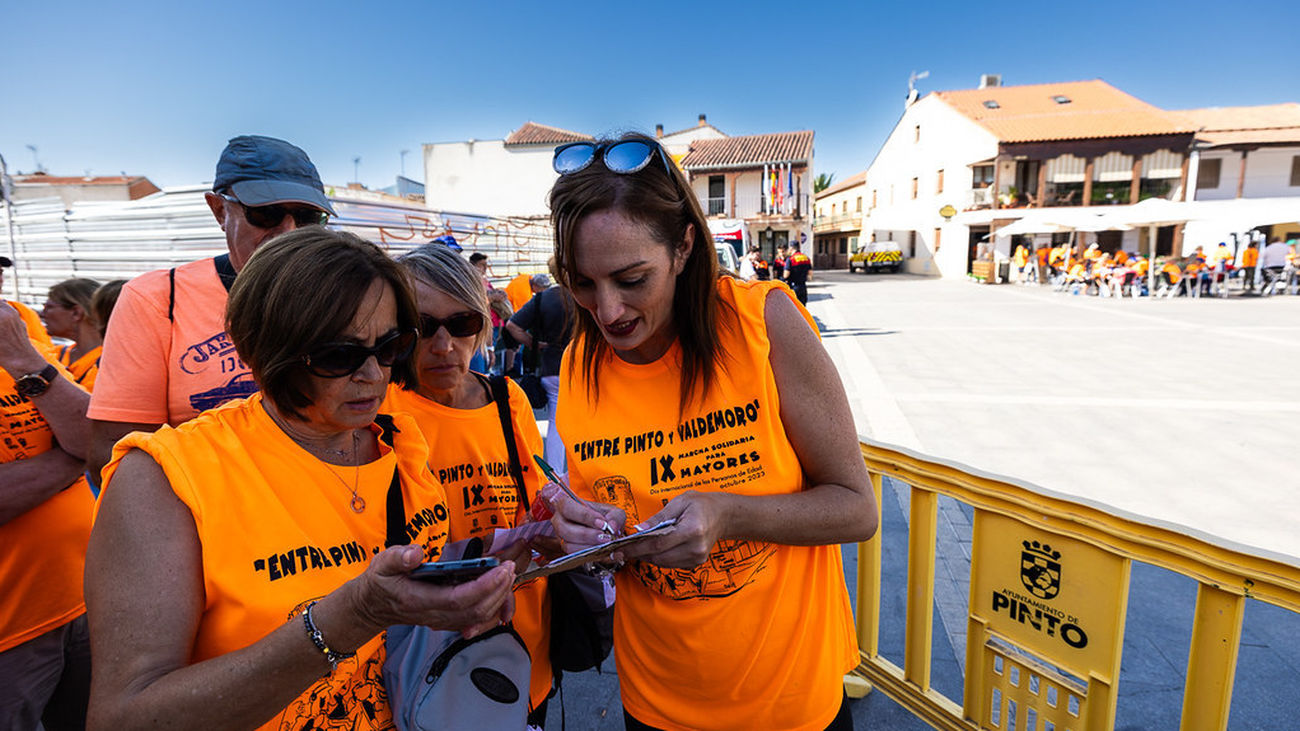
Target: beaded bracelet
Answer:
pixel 317 639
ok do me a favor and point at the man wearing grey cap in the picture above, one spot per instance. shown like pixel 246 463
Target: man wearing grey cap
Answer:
pixel 166 354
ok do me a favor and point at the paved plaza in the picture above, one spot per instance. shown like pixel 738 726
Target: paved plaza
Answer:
pixel 1183 410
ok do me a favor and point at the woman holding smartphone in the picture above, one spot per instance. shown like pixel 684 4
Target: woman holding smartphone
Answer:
pixel 237 574
pixel 702 398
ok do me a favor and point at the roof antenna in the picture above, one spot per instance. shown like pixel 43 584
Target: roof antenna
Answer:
pixel 911 86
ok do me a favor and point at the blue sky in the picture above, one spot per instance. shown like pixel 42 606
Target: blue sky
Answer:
pixel 156 88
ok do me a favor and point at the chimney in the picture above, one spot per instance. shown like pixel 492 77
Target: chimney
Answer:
pixel 659 131
pixel 702 121
pixel 988 80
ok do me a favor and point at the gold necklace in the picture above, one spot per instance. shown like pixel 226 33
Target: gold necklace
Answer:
pixel 357 503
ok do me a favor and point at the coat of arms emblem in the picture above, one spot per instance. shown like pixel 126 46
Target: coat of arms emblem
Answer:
pixel 1040 570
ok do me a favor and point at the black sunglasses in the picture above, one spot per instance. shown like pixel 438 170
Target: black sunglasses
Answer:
pixel 626 157
pixel 271 216
pixel 336 360
pixel 459 325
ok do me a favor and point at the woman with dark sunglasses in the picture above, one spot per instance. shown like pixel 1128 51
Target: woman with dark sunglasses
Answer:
pixel 237 574
pixel 458 414
pixel 703 399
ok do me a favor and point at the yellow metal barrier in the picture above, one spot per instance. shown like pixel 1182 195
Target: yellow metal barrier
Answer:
pixel 1049 589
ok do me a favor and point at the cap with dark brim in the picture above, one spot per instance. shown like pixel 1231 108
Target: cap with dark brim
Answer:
pixel 6 262
pixel 268 192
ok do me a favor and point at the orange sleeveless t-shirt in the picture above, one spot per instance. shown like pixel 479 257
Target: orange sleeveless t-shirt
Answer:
pixel 468 455
pixel 276 532
pixel 759 636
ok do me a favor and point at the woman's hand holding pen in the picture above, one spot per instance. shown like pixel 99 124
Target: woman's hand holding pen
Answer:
pixel 580 523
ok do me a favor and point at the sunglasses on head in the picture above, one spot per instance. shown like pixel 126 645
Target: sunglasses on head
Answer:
pixel 271 216
pixel 625 157
pixel 336 360
pixel 459 325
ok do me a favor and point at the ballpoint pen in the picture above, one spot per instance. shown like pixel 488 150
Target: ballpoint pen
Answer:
pixel 551 475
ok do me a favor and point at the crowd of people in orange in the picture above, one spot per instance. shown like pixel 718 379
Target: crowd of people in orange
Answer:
pixel 1094 271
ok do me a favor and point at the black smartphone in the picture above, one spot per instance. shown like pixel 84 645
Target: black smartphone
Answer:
pixel 447 573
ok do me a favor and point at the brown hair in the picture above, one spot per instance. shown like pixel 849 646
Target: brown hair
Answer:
pixel 663 202
pixel 76 293
pixel 299 291
pixel 104 301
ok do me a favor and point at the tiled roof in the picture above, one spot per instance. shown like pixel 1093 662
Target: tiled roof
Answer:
pixel 533 133
pixel 1277 123
pixel 1031 113
pixel 844 184
pixel 750 150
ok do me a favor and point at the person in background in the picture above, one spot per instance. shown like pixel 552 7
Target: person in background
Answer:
pixel 69 314
pixel 499 307
pixel 739 618
pixel 35 330
pixel 458 416
pixel 762 269
pixel 1273 260
pixel 747 270
pixel 166 353
pixel 778 264
pixel 45 510
pixel 520 290
pixel 237 573
pixel 1249 262
pixel 798 269
pixel 547 316
pixel 1019 259
pixel 104 301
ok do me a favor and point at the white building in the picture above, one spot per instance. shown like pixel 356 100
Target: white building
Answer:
pixel 1247 153
pixel 512 177
pixel 837 222
pixel 758 185
pixel 960 164
pixel 508 177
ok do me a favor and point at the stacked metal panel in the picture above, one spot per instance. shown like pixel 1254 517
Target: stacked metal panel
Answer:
pixel 120 239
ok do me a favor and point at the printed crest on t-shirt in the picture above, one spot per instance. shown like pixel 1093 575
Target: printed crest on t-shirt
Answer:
pixel 731 567
pixel 216 355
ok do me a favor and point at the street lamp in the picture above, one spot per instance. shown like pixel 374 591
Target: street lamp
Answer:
pixel 356 169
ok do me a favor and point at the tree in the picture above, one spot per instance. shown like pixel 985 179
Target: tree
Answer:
pixel 823 181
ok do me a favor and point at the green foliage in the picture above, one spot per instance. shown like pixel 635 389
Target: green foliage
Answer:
pixel 823 181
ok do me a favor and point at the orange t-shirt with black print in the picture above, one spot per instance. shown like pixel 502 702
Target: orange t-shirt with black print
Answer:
pixel 85 368
pixel 468 456
pixel 276 531
pixel 164 370
pixel 42 551
pixel 760 635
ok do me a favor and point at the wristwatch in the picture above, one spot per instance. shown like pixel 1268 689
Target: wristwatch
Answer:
pixel 35 384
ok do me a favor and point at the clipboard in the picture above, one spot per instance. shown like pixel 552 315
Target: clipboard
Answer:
pixel 594 553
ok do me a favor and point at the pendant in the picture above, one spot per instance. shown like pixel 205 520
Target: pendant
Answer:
pixel 358 504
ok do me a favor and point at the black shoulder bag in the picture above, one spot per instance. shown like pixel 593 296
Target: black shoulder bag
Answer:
pixel 582 618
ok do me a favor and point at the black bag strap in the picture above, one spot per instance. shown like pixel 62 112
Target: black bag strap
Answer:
pixel 171 295
pixel 225 270
pixel 396 532
pixel 501 396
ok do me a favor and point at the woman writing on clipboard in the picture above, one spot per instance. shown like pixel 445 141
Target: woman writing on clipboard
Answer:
pixel 700 397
